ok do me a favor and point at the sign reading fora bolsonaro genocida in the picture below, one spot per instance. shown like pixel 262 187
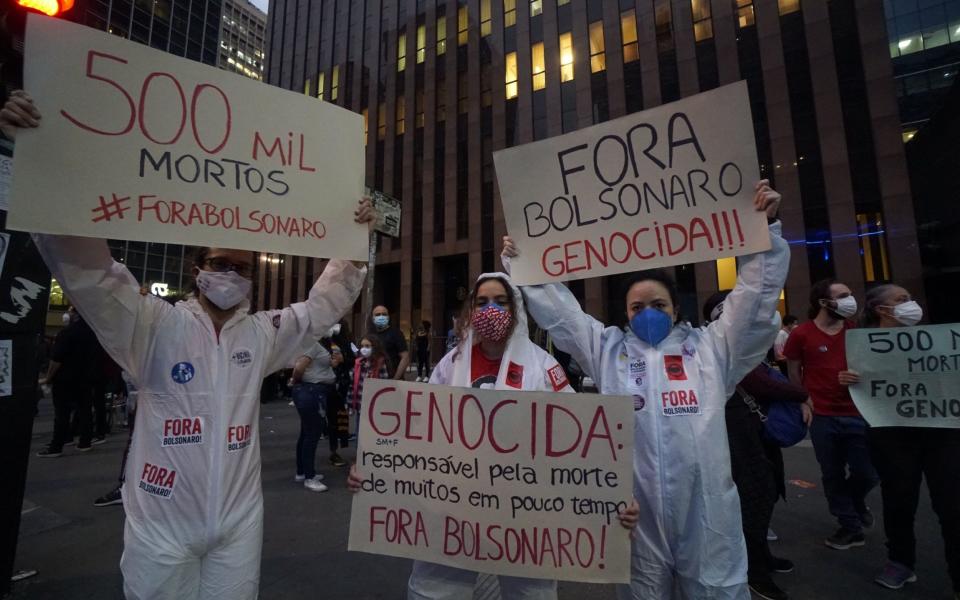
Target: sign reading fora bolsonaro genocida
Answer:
pixel 138 144
pixel 512 483
pixel 909 376
pixel 666 186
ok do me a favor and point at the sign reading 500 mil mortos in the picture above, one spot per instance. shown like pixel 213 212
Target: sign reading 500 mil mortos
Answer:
pixel 909 376
pixel 137 144
pixel 666 186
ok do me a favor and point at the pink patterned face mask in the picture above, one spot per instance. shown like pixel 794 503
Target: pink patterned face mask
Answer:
pixel 491 322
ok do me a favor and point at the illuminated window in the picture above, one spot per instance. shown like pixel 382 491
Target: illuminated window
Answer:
pixel 381 121
pixel 421 43
pixel 401 111
pixel 441 95
pixel 366 123
pixel 418 109
pixel 509 13
pixel 536 7
pixel 908 134
pixel 335 83
pixel 538 66
pixel 320 81
pixel 401 52
pixel 726 273
pixel 873 247
pixel 306 87
pixel 566 56
pixel 598 60
pixel 485 22
pixel 788 6
pixel 562 2
pixel 462 23
pixel 745 17
pixel 441 35
pixel 510 62
pixel 628 31
pixel 702 23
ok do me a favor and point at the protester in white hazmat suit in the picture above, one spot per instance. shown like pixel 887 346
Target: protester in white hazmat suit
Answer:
pixel 495 352
pixel 689 535
pixel 192 494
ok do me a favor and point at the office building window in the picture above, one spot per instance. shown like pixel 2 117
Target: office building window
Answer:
pixel 628 31
pixel 566 56
pixel 401 111
pixel 335 83
pixel 421 43
pixel 873 247
pixel 745 16
pixel 788 6
pixel 536 7
pixel 726 273
pixel 463 95
pixel 702 23
pixel 509 13
pixel 510 63
pixel 306 87
pixel 598 59
pixel 401 52
pixel 366 123
pixel 320 80
pixel 538 66
pixel 462 23
pixel 382 121
pixel 418 109
pixel 441 34
pixel 485 18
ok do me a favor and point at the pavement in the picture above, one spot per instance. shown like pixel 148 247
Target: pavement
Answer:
pixel 76 547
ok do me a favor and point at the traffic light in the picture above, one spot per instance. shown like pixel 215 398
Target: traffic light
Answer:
pixel 50 8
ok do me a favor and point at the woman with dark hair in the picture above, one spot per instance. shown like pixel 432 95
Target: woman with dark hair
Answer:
pixel 494 352
pixel 372 363
pixel 689 534
pixel 903 456
pixel 422 340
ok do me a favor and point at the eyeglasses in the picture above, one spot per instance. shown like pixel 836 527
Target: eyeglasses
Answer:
pixel 222 265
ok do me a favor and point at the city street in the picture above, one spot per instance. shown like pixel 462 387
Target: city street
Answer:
pixel 76 547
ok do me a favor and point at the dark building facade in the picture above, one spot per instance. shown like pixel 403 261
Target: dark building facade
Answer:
pixel 443 84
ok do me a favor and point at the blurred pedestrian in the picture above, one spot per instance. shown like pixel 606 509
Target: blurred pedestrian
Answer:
pixel 314 381
pixel 373 363
pixel 422 341
pixel 394 344
pixel 790 323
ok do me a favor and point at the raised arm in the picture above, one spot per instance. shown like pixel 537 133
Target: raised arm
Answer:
pixel 105 294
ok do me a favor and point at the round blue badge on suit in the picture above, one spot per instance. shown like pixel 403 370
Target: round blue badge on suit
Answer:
pixel 182 372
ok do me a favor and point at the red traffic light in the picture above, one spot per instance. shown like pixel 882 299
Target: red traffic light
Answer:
pixel 51 8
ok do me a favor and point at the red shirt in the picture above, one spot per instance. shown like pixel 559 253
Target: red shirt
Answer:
pixel 822 357
pixel 482 368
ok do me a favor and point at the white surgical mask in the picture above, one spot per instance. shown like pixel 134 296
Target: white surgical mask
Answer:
pixel 908 313
pixel 66 318
pixel 226 289
pixel 846 307
pixel 381 321
pixel 366 351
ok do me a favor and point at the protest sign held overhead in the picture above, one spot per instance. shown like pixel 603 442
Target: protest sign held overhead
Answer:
pixel 909 376
pixel 670 185
pixel 514 483
pixel 137 144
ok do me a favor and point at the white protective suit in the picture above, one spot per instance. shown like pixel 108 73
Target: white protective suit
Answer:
pixel 541 373
pixel 192 495
pixel 689 534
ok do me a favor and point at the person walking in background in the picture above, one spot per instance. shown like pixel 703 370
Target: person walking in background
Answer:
pixel 904 456
pixel 452 339
pixel 790 323
pixel 394 344
pixel 373 363
pixel 422 342
pixel 816 355
pixel 314 381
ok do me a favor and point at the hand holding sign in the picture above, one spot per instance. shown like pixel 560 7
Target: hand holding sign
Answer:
pixel 18 112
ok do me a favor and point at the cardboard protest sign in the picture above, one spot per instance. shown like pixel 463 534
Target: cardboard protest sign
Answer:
pixel 513 483
pixel 666 186
pixel 909 376
pixel 138 144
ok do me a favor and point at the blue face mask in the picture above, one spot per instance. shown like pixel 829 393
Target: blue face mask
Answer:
pixel 651 325
pixel 381 321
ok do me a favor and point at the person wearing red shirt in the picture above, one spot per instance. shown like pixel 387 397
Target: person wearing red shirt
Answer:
pixel 816 357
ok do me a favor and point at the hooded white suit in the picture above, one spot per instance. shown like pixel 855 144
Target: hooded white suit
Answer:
pixel 192 495
pixel 540 372
pixel 689 531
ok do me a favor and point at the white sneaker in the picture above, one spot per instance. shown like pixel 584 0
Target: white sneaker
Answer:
pixel 315 485
pixel 298 477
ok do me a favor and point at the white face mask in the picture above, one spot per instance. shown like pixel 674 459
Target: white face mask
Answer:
pixel 66 318
pixel 846 307
pixel 908 313
pixel 226 289
pixel 366 351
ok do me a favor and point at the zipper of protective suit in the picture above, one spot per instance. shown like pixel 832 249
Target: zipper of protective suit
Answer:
pixel 217 440
pixel 653 368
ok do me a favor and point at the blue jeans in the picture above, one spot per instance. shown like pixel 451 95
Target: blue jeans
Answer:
pixel 310 400
pixel 840 443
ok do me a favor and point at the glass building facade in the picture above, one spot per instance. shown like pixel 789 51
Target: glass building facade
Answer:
pixel 242 29
pixel 442 84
